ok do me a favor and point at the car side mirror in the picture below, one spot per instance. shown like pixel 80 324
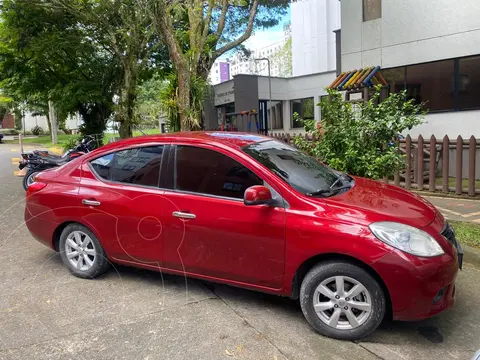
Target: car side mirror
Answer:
pixel 257 195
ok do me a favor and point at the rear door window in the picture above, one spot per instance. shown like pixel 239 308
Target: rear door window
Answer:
pixel 209 172
pixel 138 166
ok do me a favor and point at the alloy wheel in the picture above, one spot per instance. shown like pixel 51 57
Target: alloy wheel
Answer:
pixel 31 178
pixel 342 303
pixel 80 250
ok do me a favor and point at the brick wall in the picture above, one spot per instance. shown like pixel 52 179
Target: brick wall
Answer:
pixel 8 122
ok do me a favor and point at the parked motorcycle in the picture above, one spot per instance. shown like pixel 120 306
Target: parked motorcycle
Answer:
pixel 40 160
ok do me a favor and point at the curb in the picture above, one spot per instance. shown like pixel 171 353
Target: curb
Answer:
pixel 471 255
pixel 447 196
pixel 56 150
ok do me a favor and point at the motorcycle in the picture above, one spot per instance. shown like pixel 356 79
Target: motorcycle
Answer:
pixel 40 160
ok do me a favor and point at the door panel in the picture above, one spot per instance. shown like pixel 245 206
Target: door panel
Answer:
pixel 223 238
pixel 127 217
pixel 226 239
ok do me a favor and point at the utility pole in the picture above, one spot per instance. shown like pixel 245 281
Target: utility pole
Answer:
pixel 269 124
pixel 53 122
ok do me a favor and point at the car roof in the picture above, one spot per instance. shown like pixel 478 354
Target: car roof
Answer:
pixel 225 138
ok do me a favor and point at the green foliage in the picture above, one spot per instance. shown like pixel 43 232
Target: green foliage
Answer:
pixel 9 132
pixel 148 107
pixel 358 139
pixel 70 143
pixel 199 90
pixel 37 130
pixel 283 58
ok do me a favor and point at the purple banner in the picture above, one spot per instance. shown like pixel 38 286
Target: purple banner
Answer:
pixel 224 71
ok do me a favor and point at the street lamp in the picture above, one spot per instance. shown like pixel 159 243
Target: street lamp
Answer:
pixel 269 90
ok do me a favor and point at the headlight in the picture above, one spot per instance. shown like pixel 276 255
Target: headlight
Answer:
pixel 406 238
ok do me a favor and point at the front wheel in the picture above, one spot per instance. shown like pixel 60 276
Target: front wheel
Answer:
pixel 29 178
pixel 342 301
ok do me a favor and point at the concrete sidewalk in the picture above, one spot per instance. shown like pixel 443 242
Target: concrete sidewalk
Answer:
pixel 457 209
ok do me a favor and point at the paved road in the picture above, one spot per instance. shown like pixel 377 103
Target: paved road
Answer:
pixel 45 313
pixel 458 209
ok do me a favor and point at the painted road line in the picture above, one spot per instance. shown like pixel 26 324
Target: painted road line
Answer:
pixel 20 172
pixel 15 160
pixel 472 214
pixel 449 211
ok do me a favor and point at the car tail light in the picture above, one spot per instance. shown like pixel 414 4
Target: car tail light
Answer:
pixel 34 187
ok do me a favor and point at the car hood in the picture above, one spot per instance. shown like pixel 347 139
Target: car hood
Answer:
pixel 373 201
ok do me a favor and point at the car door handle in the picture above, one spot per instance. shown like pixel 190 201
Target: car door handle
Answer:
pixel 90 202
pixel 183 215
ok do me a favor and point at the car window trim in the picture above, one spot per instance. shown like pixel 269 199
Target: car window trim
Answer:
pixel 99 178
pixel 205 195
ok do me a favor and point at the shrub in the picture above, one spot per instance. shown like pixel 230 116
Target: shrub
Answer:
pixel 70 143
pixel 37 130
pixel 358 138
pixel 8 132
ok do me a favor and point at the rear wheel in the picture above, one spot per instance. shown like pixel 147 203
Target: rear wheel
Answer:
pixel 29 178
pixel 81 252
pixel 342 300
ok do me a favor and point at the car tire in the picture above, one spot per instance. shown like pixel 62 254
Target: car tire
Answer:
pixel 81 252
pixel 28 178
pixel 333 313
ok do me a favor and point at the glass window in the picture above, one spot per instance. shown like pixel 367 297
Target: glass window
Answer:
pixel 372 9
pixel 305 109
pixel 395 78
pixel 139 166
pixel 302 172
pixel 468 83
pixel 209 172
pixel 275 114
pixel 432 83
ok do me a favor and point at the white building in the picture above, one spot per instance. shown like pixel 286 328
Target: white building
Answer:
pixel 313 37
pixel 431 49
pixel 220 71
pixel 30 121
pixel 249 66
pixel 240 64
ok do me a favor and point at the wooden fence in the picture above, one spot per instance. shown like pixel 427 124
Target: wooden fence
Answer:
pixel 436 165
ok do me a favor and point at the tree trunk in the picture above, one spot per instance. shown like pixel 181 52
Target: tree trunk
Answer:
pixel 184 98
pixel 53 120
pixel 127 103
pixel 94 120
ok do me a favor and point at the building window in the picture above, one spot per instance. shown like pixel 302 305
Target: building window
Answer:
pixel 432 84
pixel 372 9
pixel 305 110
pixel 468 83
pixel 395 79
pixel 276 114
pixel 442 85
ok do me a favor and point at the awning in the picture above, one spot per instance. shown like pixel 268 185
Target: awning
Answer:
pixel 356 79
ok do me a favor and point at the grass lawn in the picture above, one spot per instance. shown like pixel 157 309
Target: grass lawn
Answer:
pixel 453 181
pixel 467 233
pixel 44 140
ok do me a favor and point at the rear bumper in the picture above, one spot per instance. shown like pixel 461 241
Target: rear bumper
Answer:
pixel 41 226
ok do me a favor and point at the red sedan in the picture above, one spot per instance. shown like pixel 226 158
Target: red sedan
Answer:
pixel 251 211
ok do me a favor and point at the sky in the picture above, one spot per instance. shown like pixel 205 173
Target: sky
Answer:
pixel 263 38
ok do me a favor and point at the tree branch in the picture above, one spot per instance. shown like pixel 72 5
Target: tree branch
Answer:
pixel 221 21
pixel 206 25
pixel 248 31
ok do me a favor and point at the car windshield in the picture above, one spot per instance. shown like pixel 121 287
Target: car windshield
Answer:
pixel 300 171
